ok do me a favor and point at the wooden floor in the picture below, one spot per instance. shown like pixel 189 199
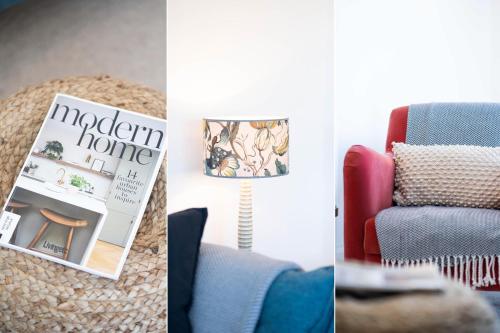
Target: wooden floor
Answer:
pixel 105 257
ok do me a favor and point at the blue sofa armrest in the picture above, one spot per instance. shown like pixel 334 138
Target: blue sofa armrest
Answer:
pixel 230 288
pixel 239 291
pixel 299 301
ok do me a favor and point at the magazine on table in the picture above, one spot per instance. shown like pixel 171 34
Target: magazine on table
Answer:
pixel 82 191
pixel 367 281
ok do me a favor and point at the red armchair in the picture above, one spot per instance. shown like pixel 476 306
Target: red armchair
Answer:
pixel 368 188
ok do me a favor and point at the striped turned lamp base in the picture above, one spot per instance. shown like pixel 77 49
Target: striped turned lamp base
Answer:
pixel 245 228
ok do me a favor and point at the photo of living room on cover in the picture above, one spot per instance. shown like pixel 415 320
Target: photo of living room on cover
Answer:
pixel 72 198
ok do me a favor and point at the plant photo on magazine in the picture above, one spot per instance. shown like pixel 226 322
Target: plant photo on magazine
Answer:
pixel 82 191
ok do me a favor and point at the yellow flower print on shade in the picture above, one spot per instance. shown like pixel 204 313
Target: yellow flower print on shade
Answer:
pixel 282 147
pixel 262 139
pixel 228 167
pixel 264 124
pixel 245 148
pixel 222 163
pixel 206 129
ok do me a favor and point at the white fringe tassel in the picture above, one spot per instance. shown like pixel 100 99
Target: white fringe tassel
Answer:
pixel 472 271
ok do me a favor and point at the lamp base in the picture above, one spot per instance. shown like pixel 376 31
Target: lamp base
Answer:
pixel 245 228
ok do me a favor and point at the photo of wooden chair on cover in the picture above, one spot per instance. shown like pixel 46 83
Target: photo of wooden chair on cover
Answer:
pixel 53 217
pixel 13 206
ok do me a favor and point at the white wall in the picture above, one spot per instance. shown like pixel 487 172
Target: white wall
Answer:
pixel 390 53
pixel 252 58
pixel 495 54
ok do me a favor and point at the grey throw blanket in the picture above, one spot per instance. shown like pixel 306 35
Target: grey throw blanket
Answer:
pixel 230 289
pixel 475 124
pixel 463 240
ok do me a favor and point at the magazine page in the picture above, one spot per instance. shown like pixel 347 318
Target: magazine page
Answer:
pixel 82 191
pixel 362 277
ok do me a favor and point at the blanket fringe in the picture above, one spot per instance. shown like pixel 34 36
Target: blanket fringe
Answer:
pixel 473 271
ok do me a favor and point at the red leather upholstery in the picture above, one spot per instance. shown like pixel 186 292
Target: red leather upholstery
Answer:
pixel 370 244
pixel 397 127
pixel 368 187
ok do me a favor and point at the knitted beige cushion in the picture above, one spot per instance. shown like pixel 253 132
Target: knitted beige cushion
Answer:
pixel 464 176
pixel 38 295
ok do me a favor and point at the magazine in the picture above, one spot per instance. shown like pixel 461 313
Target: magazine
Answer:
pixel 82 191
pixel 366 281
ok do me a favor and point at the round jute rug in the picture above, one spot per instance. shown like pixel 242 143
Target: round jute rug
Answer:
pixel 41 296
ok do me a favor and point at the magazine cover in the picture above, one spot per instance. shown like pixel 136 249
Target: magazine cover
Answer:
pixel 82 191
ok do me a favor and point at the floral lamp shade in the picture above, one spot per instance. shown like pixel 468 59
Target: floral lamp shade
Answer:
pixel 245 148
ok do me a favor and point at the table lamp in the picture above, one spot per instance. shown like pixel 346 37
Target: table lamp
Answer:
pixel 245 148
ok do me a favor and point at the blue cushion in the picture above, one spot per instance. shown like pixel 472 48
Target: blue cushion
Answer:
pixel 185 230
pixel 299 302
